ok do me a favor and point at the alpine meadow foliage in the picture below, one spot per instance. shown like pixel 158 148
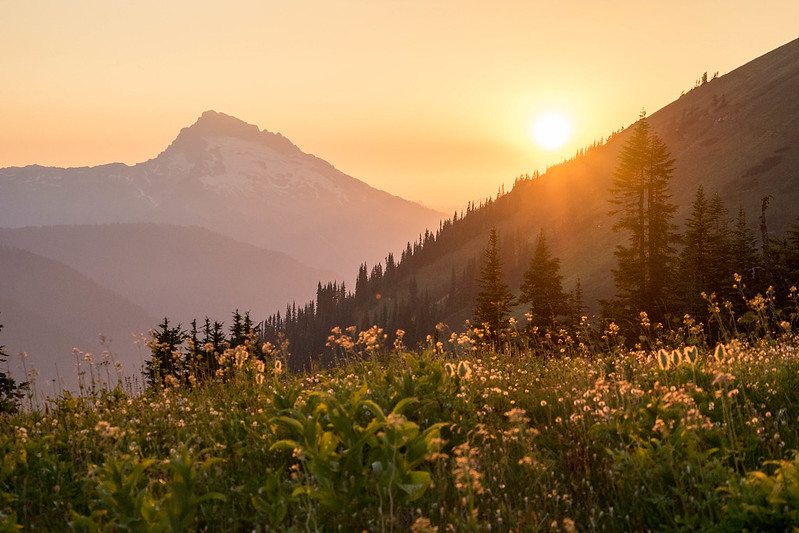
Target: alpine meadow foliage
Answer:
pixel 456 436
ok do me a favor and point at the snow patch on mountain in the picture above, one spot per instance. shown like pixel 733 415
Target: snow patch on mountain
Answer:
pixel 230 177
pixel 248 166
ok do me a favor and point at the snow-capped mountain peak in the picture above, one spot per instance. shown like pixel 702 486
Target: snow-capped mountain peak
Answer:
pixel 233 178
pixel 229 156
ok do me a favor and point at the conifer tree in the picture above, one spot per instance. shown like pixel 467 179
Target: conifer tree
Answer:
pixel 250 327
pixel 721 272
pixel 744 258
pixel 165 360
pixel 238 333
pixel 786 263
pixel 792 242
pixel 542 287
pixel 10 392
pixel 576 305
pixel 640 192
pixel 494 300
pixel 214 342
pixel 361 282
pixel 695 268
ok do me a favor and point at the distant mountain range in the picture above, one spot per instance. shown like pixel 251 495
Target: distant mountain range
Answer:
pixel 225 175
pixel 174 271
pixel 227 217
pixel 47 309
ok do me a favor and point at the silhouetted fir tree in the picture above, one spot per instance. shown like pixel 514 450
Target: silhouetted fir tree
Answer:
pixel 494 299
pixel 720 281
pixel 765 241
pixel 792 257
pixel 640 192
pixel 391 270
pixel 542 287
pixel 238 333
pixel 786 264
pixel 10 392
pixel 361 283
pixel 193 336
pixel 194 351
pixel 576 306
pixel 250 328
pixel 696 257
pixel 744 257
pixel 376 278
pixel 452 293
pixel 214 342
pixel 166 358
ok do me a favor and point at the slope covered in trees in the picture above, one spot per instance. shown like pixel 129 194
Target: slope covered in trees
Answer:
pixel 715 137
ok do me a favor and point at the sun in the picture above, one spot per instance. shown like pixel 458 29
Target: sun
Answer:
pixel 551 131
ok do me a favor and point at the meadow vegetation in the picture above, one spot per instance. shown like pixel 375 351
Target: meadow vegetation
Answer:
pixel 565 432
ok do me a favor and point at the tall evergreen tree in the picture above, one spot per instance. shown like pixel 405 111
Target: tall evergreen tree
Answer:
pixel 721 272
pixel 744 257
pixel 494 300
pixel 361 283
pixel 696 257
pixel 238 332
pixel 640 192
pixel 576 305
pixel 542 287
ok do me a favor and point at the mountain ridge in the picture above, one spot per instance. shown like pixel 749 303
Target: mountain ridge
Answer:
pixel 734 135
pixel 228 176
pixel 51 308
pixel 176 271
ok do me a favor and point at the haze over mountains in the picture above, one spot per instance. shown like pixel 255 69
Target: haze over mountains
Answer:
pixel 113 230
pixel 227 217
pixel 227 176
pixel 737 136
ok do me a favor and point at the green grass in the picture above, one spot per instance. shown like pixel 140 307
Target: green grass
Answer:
pixel 474 441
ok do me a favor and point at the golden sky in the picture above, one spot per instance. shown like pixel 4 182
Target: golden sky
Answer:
pixel 431 100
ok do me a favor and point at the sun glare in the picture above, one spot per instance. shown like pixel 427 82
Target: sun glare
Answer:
pixel 551 131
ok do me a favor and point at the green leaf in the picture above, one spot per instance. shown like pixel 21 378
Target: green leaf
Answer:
pixel 419 481
pixel 290 423
pixel 375 409
pixel 328 444
pixel 403 404
pixel 285 444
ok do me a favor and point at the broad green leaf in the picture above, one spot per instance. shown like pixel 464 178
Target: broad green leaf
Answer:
pixel 285 444
pixel 419 481
pixel 403 404
pixel 291 423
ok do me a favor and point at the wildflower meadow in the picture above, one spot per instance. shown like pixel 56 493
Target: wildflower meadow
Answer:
pixel 580 435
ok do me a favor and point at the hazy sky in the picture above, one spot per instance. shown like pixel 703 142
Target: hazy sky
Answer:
pixel 430 100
